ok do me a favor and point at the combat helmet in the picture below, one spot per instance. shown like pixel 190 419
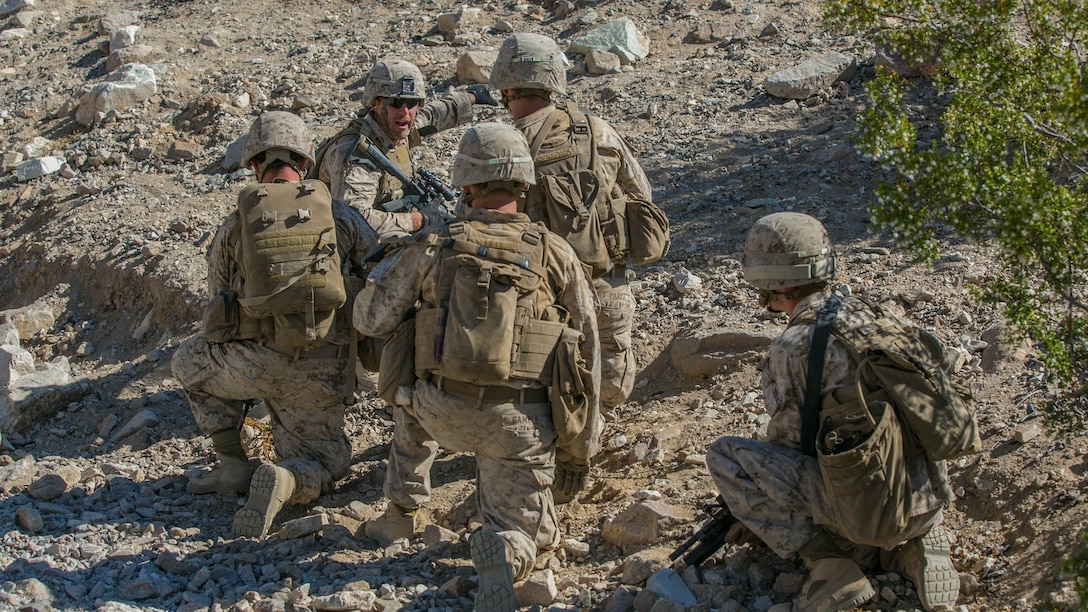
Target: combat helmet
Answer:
pixel 393 78
pixel 530 61
pixel 492 152
pixel 279 135
pixel 787 250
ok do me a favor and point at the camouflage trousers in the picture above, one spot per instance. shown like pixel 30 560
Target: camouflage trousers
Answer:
pixel 778 493
pixel 302 395
pixel 515 463
pixel 615 317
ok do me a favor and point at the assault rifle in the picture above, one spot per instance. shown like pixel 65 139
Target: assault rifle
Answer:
pixel 710 537
pixel 426 194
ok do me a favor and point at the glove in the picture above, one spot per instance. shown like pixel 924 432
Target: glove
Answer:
pixel 483 94
pixel 570 478
pixel 434 214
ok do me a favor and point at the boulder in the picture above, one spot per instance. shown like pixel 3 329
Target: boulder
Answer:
pixel 127 86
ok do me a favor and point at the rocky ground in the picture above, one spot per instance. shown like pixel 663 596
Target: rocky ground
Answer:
pixel 92 499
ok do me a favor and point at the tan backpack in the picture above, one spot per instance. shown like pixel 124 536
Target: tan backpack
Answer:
pixel 496 320
pixel 289 261
pixel 597 219
pixel 901 403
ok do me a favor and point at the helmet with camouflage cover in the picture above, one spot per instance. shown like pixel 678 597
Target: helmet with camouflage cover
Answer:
pixel 492 152
pixel 530 61
pixel 279 135
pixel 393 78
pixel 787 250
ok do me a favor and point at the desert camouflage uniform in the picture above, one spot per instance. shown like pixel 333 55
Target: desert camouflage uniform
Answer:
pixel 303 392
pixel 514 442
pixel 776 489
pixel 356 181
pixel 616 310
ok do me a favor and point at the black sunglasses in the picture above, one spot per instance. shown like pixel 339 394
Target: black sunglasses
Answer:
pixel 402 102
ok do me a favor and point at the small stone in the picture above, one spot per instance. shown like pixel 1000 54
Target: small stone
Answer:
pixel 538 590
pixel 151 249
pixel 48 487
pixel 575 547
pixel 29 519
pixel 304 526
pixel 1027 433
pixel 184 150
pixel 695 459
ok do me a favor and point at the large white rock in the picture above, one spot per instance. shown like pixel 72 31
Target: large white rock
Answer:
pixel 123 37
pixel 10 6
pixel 37 147
pixel 620 37
pixel 38 396
pixel 14 362
pixel 38 167
pixel 127 86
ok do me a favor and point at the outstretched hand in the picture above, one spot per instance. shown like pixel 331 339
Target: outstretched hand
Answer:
pixel 482 93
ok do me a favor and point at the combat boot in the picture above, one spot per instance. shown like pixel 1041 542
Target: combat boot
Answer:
pixel 230 476
pixel 926 562
pixel 270 488
pixel 835 582
pixel 395 524
pixel 491 558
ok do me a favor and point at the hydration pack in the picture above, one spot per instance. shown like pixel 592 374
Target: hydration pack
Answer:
pixel 289 259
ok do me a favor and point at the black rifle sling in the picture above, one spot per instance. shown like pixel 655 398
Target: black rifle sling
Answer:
pixel 817 355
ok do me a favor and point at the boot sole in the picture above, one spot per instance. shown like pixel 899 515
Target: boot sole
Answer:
pixel 940 587
pixel 862 597
pixel 496 590
pixel 253 520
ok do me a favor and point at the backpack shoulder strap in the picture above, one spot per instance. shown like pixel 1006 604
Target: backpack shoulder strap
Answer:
pixel 460 242
pixel 542 133
pixel 354 127
pixel 583 133
pixel 817 355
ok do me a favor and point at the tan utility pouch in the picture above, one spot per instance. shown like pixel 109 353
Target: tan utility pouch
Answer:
pixel 290 262
pixel 575 411
pixel 429 333
pixel 860 450
pixel 479 334
pixel 648 228
pixel 573 204
pixel 536 350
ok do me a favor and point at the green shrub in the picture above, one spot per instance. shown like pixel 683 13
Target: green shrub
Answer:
pixel 991 147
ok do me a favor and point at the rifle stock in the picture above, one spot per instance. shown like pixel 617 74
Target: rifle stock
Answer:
pixel 710 537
